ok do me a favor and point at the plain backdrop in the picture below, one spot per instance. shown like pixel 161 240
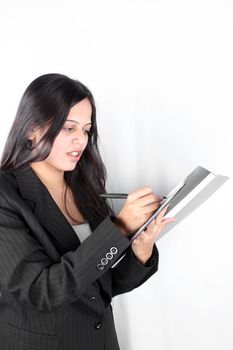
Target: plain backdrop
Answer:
pixel 161 72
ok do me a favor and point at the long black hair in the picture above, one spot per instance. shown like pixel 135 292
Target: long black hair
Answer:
pixel 47 102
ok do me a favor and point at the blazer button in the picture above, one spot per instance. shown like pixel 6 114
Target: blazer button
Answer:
pixel 100 267
pixel 109 256
pixel 104 261
pixel 113 250
pixel 98 325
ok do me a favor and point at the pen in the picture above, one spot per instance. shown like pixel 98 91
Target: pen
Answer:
pixel 116 195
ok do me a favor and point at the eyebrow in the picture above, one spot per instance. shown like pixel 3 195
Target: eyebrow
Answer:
pixel 74 121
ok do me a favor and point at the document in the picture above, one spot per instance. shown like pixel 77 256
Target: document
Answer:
pixel 188 195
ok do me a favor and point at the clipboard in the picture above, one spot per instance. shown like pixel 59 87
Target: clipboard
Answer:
pixel 188 195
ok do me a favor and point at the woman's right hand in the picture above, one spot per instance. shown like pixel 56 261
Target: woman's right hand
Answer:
pixel 138 208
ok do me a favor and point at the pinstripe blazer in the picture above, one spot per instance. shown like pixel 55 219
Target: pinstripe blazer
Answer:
pixel 55 293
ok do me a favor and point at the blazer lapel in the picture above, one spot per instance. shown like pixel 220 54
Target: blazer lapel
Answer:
pixel 49 215
pixel 46 209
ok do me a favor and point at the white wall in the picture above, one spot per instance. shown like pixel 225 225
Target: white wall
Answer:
pixel 161 72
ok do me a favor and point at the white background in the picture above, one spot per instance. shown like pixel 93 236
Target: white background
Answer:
pixel 162 75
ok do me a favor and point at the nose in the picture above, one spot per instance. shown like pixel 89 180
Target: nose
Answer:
pixel 79 140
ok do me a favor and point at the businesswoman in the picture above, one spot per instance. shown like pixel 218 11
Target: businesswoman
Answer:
pixel 60 242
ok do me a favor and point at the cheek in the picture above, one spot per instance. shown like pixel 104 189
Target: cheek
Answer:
pixel 59 147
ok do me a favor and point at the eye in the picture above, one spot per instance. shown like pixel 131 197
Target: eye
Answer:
pixel 68 129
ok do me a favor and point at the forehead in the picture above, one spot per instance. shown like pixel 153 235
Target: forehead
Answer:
pixel 81 111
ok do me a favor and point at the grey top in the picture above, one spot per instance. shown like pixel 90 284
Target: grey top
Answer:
pixel 82 231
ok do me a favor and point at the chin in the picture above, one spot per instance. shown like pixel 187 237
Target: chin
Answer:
pixel 70 167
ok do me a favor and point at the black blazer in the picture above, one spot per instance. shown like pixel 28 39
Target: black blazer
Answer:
pixel 56 292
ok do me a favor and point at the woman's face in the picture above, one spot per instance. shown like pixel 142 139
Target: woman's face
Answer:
pixel 71 141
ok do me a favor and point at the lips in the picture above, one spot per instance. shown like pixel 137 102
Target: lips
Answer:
pixel 74 155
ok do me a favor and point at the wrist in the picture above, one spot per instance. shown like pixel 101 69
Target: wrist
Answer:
pixel 143 258
pixel 118 222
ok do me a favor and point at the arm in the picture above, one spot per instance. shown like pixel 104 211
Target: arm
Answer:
pixel 141 259
pixel 29 274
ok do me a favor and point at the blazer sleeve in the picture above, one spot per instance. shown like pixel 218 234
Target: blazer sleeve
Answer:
pixel 32 277
pixel 129 273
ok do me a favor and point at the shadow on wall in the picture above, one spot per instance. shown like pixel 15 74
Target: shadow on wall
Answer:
pixel 122 321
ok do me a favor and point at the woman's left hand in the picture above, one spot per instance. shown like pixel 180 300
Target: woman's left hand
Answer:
pixel 142 246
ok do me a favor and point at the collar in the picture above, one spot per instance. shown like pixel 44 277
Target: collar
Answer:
pixel 45 208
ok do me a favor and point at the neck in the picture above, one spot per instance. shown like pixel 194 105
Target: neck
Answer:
pixel 51 177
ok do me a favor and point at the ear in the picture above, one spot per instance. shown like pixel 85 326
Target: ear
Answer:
pixel 31 135
pixel 34 132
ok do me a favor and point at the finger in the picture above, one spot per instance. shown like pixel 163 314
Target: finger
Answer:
pixel 154 230
pixel 162 213
pixel 167 221
pixel 164 222
pixel 151 225
pixel 144 191
pixel 150 208
pixel 149 199
pixel 160 218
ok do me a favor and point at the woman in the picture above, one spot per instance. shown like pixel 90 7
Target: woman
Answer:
pixel 59 239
